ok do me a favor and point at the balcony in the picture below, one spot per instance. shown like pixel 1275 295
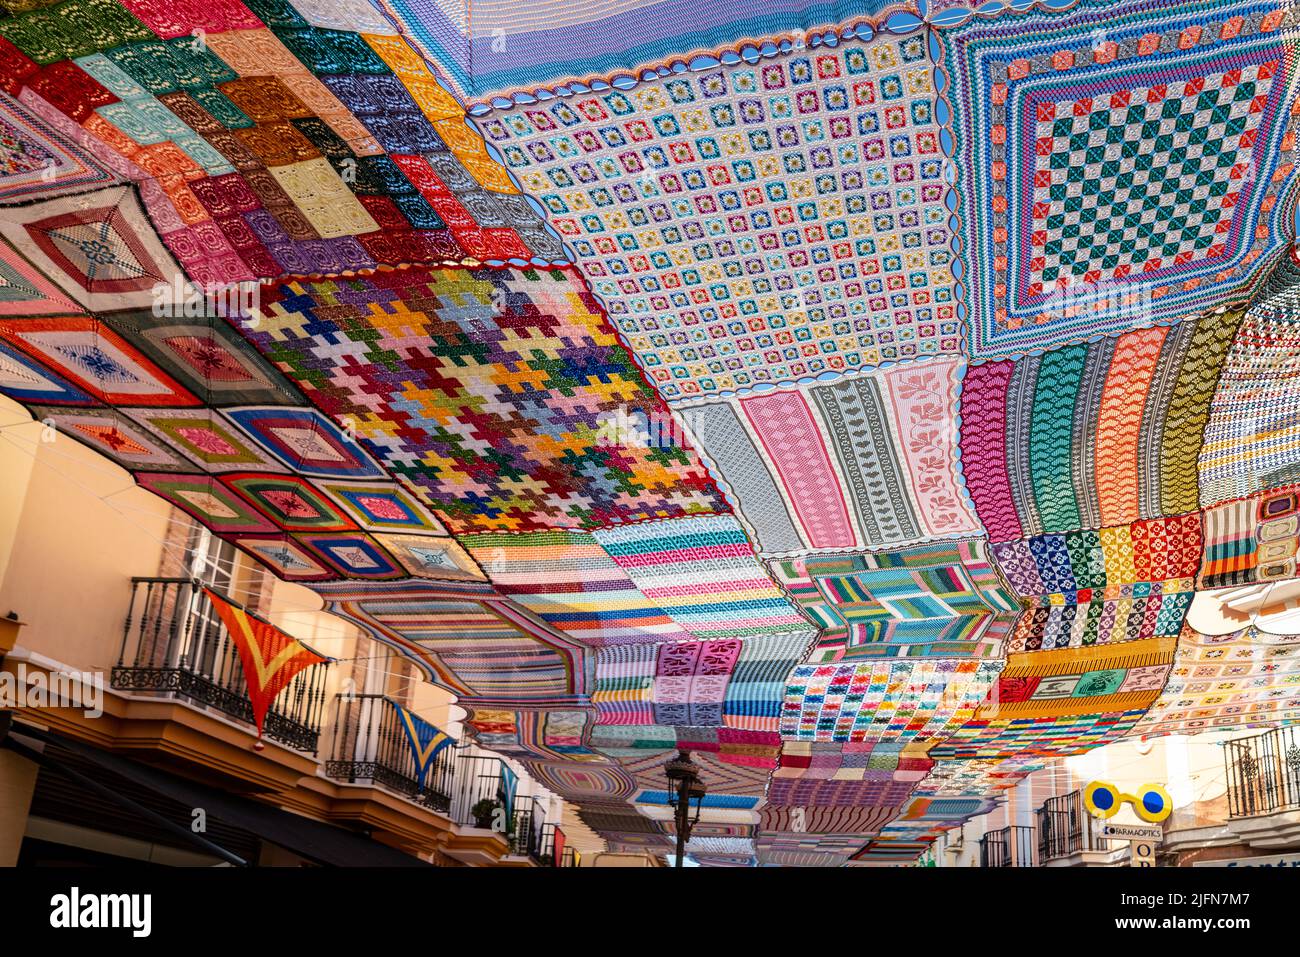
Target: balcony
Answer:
pixel 535 838
pixel 370 747
pixel 174 646
pixel 531 833
pixel 182 700
pixel 1009 847
pixel 1263 775
pixel 548 858
pixel 1068 836
pixel 478 786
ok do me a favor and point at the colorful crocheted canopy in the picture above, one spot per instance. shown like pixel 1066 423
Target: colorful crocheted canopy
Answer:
pixel 856 395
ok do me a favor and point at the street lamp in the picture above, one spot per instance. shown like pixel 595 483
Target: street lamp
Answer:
pixel 684 785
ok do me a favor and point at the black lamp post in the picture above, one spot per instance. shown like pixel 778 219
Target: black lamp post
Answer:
pixel 684 785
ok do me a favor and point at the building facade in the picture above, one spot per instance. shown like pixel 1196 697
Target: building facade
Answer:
pixel 128 732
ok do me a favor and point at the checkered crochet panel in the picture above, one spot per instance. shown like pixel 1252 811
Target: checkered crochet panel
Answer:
pixel 1158 550
pixel 900 701
pixel 1190 133
pixel 1118 169
pixel 758 222
pixel 491 391
pixel 1102 616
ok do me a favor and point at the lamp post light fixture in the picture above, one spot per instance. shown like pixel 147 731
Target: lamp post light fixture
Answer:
pixel 684 785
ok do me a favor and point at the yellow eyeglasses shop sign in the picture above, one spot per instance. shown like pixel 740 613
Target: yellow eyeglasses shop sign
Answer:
pixel 1151 803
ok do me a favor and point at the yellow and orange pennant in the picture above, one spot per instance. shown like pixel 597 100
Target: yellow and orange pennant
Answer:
pixel 270 657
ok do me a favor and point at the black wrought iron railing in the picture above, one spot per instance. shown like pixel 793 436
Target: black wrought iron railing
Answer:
pixel 370 746
pixel 478 800
pixel 1065 828
pixel 547 856
pixel 1263 773
pixel 174 645
pixel 530 829
pixel 1008 847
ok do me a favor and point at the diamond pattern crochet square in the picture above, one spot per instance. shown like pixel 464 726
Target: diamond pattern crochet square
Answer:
pixel 89 354
pixel 24 291
pixel 100 248
pixel 755 223
pixel 35 163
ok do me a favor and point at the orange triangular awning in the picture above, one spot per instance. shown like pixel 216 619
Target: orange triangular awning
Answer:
pixel 269 656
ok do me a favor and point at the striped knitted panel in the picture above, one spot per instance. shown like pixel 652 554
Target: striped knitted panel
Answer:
pixel 1189 411
pixel 984 447
pixel 1052 438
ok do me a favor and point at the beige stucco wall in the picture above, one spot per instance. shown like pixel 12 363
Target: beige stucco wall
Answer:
pixel 15 474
